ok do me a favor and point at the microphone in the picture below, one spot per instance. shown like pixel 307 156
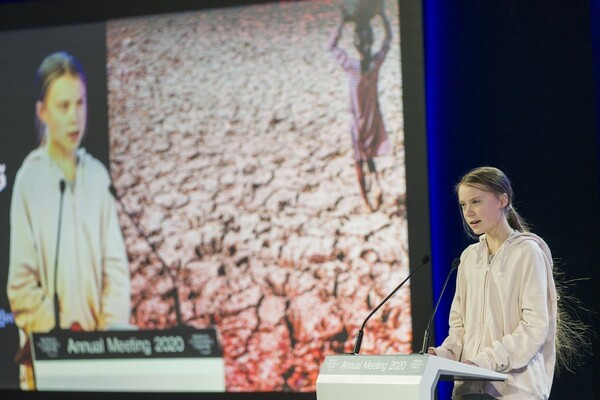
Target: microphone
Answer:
pixel 164 269
pixel 426 339
pixel 359 337
pixel 56 302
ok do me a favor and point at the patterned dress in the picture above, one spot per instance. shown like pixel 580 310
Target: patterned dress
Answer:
pixel 369 138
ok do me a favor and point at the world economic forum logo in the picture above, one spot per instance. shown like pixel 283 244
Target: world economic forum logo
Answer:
pixel 6 318
pixel 49 345
pixel 331 364
pixel 2 177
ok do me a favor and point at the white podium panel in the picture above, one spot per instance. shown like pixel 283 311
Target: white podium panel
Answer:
pixel 175 360
pixel 391 377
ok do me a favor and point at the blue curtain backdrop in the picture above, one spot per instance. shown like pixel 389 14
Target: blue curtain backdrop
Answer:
pixel 511 84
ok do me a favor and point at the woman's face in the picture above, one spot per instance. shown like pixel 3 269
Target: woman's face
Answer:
pixel 483 211
pixel 64 112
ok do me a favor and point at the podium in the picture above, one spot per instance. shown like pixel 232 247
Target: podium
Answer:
pixel 391 377
pixel 173 360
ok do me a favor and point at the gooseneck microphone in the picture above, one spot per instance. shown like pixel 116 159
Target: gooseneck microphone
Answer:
pixel 359 337
pixel 56 302
pixel 426 337
pixel 164 269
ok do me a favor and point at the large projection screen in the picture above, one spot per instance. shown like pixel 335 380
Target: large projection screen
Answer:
pixel 232 165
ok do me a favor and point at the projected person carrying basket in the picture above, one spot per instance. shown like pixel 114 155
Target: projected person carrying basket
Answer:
pixel 369 137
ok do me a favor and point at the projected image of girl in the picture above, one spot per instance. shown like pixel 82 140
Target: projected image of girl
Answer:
pixel 65 237
pixel 369 138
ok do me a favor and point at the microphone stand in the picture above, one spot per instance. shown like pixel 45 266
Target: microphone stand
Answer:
pixel 56 302
pixel 154 250
pixel 359 337
pixel 426 337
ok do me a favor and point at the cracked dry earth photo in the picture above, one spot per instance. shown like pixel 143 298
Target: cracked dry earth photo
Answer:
pixel 231 150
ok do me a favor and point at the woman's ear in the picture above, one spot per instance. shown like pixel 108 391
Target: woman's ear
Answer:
pixel 40 111
pixel 504 200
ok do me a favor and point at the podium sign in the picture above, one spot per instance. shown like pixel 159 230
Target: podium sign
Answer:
pixel 181 359
pixel 387 377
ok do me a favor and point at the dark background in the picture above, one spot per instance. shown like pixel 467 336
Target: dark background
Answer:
pixel 508 83
pixel 511 84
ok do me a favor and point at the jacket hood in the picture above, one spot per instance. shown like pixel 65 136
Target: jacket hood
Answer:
pixel 520 237
pixel 41 154
pixel 514 239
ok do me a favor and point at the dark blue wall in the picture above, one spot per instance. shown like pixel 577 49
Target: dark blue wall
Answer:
pixel 511 84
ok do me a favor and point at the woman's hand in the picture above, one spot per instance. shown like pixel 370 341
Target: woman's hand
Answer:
pixel 431 351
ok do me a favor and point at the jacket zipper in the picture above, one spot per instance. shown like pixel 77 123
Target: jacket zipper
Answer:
pixel 486 280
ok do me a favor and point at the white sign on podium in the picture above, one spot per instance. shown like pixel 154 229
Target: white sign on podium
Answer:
pixel 174 360
pixel 391 377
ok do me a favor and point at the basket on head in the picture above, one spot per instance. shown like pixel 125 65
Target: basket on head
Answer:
pixel 361 11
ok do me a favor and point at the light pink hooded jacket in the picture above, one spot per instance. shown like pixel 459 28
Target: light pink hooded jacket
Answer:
pixel 503 318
